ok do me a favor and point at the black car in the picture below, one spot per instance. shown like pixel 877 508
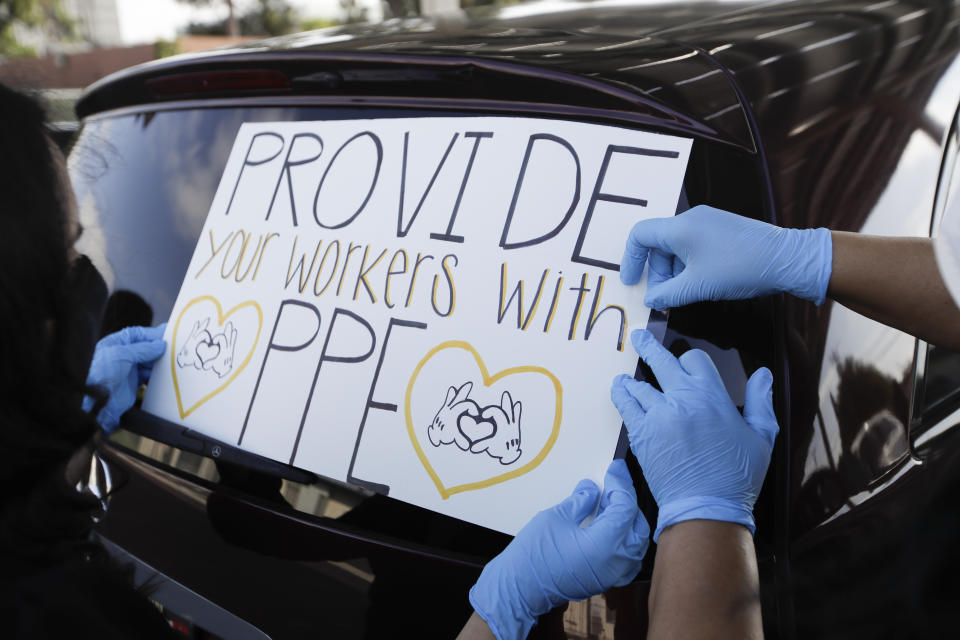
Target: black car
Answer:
pixel 806 114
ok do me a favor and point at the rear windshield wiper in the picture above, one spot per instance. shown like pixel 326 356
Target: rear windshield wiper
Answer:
pixel 156 428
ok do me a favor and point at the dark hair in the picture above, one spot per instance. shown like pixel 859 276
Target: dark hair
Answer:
pixel 41 385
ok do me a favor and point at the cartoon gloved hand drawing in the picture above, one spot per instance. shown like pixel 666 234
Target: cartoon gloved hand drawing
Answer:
pixel 222 364
pixel 445 427
pixel 504 443
pixel 187 355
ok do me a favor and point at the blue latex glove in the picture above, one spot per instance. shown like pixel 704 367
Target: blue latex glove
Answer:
pixel 121 362
pixel 700 457
pixel 709 254
pixel 554 560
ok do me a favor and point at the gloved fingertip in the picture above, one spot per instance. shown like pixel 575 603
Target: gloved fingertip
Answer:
pixel 758 405
pixel 759 391
pixel 631 269
pixel 622 378
pixel 579 504
pixel 657 300
pixel 638 538
pixel 618 485
pixel 639 338
pixel 641 528
pixel 144 371
pixel 635 254
pixel 132 335
pixel 765 376
pixel 586 486
pixel 622 497
pixel 617 510
pixel 107 422
pixel 619 471
pixel 141 352
pixel 620 397
pixel 138 334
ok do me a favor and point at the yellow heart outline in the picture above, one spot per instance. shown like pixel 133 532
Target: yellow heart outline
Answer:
pixel 488 381
pixel 221 317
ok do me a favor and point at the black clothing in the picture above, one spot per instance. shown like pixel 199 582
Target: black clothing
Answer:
pixel 57 583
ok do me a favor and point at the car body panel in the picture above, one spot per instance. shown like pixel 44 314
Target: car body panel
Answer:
pixel 810 114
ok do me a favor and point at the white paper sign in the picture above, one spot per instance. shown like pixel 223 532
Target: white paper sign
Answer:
pixel 428 307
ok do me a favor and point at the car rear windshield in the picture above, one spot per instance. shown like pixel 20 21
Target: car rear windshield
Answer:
pixel 145 180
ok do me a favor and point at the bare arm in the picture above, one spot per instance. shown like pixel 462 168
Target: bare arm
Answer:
pixel 475 629
pixel 895 281
pixel 705 583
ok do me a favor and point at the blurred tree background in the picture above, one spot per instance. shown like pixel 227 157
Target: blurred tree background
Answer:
pixel 266 17
pixel 230 26
pixel 37 14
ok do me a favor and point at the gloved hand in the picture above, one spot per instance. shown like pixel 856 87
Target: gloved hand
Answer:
pixel 709 254
pixel 700 457
pixel 121 362
pixel 554 560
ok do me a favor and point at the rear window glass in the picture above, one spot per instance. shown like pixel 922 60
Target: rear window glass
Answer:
pixel 144 183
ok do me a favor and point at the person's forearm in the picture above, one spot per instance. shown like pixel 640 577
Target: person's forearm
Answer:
pixel 895 281
pixel 705 583
pixel 475 629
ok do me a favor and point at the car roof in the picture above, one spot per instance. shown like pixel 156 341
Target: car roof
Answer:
pixel 565 25
pixel 620 51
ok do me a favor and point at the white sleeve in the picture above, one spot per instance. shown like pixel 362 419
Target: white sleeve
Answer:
pixel 946 247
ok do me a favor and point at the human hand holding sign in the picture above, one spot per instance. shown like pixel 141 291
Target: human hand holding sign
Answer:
pixel 700 457
pixel 553 559
pixel 709 254
pixel 121 362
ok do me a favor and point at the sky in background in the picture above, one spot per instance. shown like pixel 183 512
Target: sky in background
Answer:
pixel 144 22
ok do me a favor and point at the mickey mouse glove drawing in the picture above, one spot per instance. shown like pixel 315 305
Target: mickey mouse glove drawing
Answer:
pixel 700 457
pixel 553 559
pixel 121 362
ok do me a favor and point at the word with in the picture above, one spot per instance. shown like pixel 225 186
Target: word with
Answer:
pixel 524 319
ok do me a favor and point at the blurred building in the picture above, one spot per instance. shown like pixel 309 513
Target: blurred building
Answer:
pixel 89 39
pixel 87 48
pixel 72 70
pixel 98 21
pixel 589 619
pixel 87 24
